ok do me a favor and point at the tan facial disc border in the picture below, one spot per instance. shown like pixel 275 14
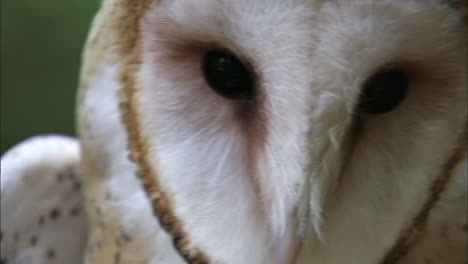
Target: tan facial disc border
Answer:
pixel 128 18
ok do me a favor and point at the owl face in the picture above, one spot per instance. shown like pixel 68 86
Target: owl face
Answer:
pixel 281 131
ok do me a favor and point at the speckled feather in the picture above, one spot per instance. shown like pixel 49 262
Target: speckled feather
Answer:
pixel 43 219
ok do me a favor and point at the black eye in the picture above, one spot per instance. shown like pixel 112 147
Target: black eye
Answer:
pixel 383 92
pixel 228 76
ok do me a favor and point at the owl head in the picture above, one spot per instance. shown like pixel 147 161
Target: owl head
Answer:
pixel 275 131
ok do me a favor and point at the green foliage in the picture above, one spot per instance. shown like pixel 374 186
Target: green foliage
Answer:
pixel 41 43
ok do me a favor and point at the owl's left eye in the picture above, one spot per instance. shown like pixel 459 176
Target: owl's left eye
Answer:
pixel 228 76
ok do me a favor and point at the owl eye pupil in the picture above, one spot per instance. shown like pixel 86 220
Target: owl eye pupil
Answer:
pixel 227 76
pixel 384 91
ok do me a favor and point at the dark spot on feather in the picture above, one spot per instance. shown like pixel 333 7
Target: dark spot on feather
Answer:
pixel 33 241
pixel 54 214
pixel 117 258
pixel 41 220
pixel 108 195
pixel 77 186
pixel 50 253
pixel 74 211
pixel 126 237
pixel 4 261
pixel 60 176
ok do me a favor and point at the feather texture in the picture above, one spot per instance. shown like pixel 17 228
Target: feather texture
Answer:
pixel 43 219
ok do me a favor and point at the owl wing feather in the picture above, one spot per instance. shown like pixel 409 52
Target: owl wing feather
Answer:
pixel 42 206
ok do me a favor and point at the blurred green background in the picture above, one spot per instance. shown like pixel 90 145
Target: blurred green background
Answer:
pixel 41 43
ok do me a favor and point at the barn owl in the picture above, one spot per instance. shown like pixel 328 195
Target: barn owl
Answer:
pixel 279 131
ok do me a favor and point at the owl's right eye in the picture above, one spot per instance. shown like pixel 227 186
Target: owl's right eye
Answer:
pixel 384 91
pixel 228 76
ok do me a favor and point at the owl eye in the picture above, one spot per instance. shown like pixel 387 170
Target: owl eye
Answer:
pixel 384 91
pixel 227 75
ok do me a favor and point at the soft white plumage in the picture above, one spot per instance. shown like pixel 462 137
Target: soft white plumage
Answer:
pixel 298 174
pixel 43 218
